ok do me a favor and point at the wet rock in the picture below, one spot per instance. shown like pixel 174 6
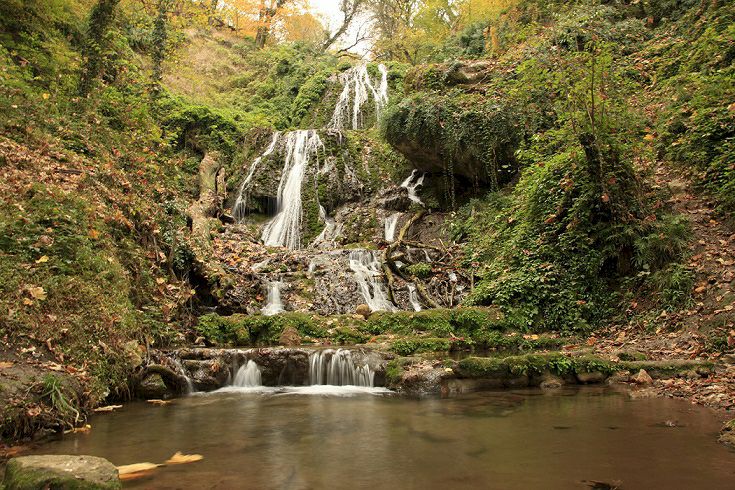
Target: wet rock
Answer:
pixel 396 199
pixel 642 378
pixel 551 382
pixel 591 377
pixel 153 387
pixel 619 377
pixel 61 472
pixel 363 310
pixel 289 337
pixel 727 434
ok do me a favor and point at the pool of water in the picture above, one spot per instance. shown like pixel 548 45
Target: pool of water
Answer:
pixel 336 438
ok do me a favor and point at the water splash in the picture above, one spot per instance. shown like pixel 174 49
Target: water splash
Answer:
pixel 274 304
pixel 336 367
pixel 390 226
pixel 368 272
pixel 284 230
pixel 357 88
pixel 412 183
pixel 240 208
pixel 413 296
pixel 248 376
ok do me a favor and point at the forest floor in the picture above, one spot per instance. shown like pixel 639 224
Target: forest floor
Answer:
pixel 709 317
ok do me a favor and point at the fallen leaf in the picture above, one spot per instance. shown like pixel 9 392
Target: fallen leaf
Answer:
pixel 108 408
pixel 37 292
pixel 6 364
pixel 180 458
pixel 137 470
pixel 77 430
pixel 159 402
pixel 93 234
pixel 42 259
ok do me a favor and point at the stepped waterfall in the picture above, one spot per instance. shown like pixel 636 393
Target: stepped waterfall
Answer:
pixel 304 160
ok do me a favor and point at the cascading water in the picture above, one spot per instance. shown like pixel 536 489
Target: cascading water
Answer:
pixel 240 208
pixel 274 304
pixel 390 226
pixel 356 90
pixel 413 296
pixel 368 272
pixel 248 376
pixel 336 367
pixel 412 183
pixel 284 230
pixel 180 368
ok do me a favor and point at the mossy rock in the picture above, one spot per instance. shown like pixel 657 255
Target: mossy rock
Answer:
pixel 61 472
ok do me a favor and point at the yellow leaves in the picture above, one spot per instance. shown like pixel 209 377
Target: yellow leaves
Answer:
pixel 35 292
pixel 93 234
pixel 77 430
pixel 6 364
pixel 139 470
pixel 42 260
pixel 45 96
pixel 159 403
pixel 107 408
pixel 180 458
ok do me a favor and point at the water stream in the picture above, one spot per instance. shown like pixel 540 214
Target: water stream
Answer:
pixel 368 273
pixel 412 183
pixel 493 440
pixel 274 304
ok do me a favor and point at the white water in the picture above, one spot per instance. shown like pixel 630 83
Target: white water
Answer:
pixel 412 183
pixel 274 304
pixel 368 272
pixel 284 230
pixel 239 210
pixel 413 296
pixel 336 367
pixel 189 384
pixel 357 88
pixel 328 236
pixel 390 226
pixel 248 376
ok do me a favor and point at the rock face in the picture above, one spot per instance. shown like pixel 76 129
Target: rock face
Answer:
pixel 61 473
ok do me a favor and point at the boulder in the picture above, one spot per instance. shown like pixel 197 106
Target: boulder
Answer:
pixel 642 378
pixel 61 472
pixel 363 310
pixel 592 377
pixel 289 337
pixel 727 434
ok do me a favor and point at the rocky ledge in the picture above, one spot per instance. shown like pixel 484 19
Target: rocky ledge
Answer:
pixel 61 472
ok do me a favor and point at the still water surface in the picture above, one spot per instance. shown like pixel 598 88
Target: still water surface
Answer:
pixel 312 438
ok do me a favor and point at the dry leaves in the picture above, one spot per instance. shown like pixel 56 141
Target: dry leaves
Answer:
pixel 180 458
pixel 137 470
pixel 6 364
pixel 159 402
pixel 108 408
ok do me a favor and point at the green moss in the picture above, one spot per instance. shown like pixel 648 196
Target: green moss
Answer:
pixel 408 346
pixel 419 269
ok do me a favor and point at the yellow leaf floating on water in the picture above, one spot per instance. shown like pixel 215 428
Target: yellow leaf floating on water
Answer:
pixel 179 458
pixel 108 408
pixel 159 402
pixel 137 470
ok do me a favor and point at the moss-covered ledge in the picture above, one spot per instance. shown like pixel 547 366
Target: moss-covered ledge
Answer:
pixel 421 376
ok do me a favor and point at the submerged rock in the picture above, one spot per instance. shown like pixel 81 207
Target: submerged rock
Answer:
pixel 61 472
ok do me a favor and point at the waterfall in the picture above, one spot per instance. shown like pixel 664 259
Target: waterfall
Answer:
pixel 248 376
pixel 368 271
pixel 412 183
pixel 284 230
pixel 413 296
pixel 240 208
pixel 189 384
pixel 274 305
pixel 390 226
pixel 336 367
pixel 329 233
pixel 356 90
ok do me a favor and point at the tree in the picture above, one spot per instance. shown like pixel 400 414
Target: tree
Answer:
pixel 266 11
pixel 350 9
pixel 100 20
